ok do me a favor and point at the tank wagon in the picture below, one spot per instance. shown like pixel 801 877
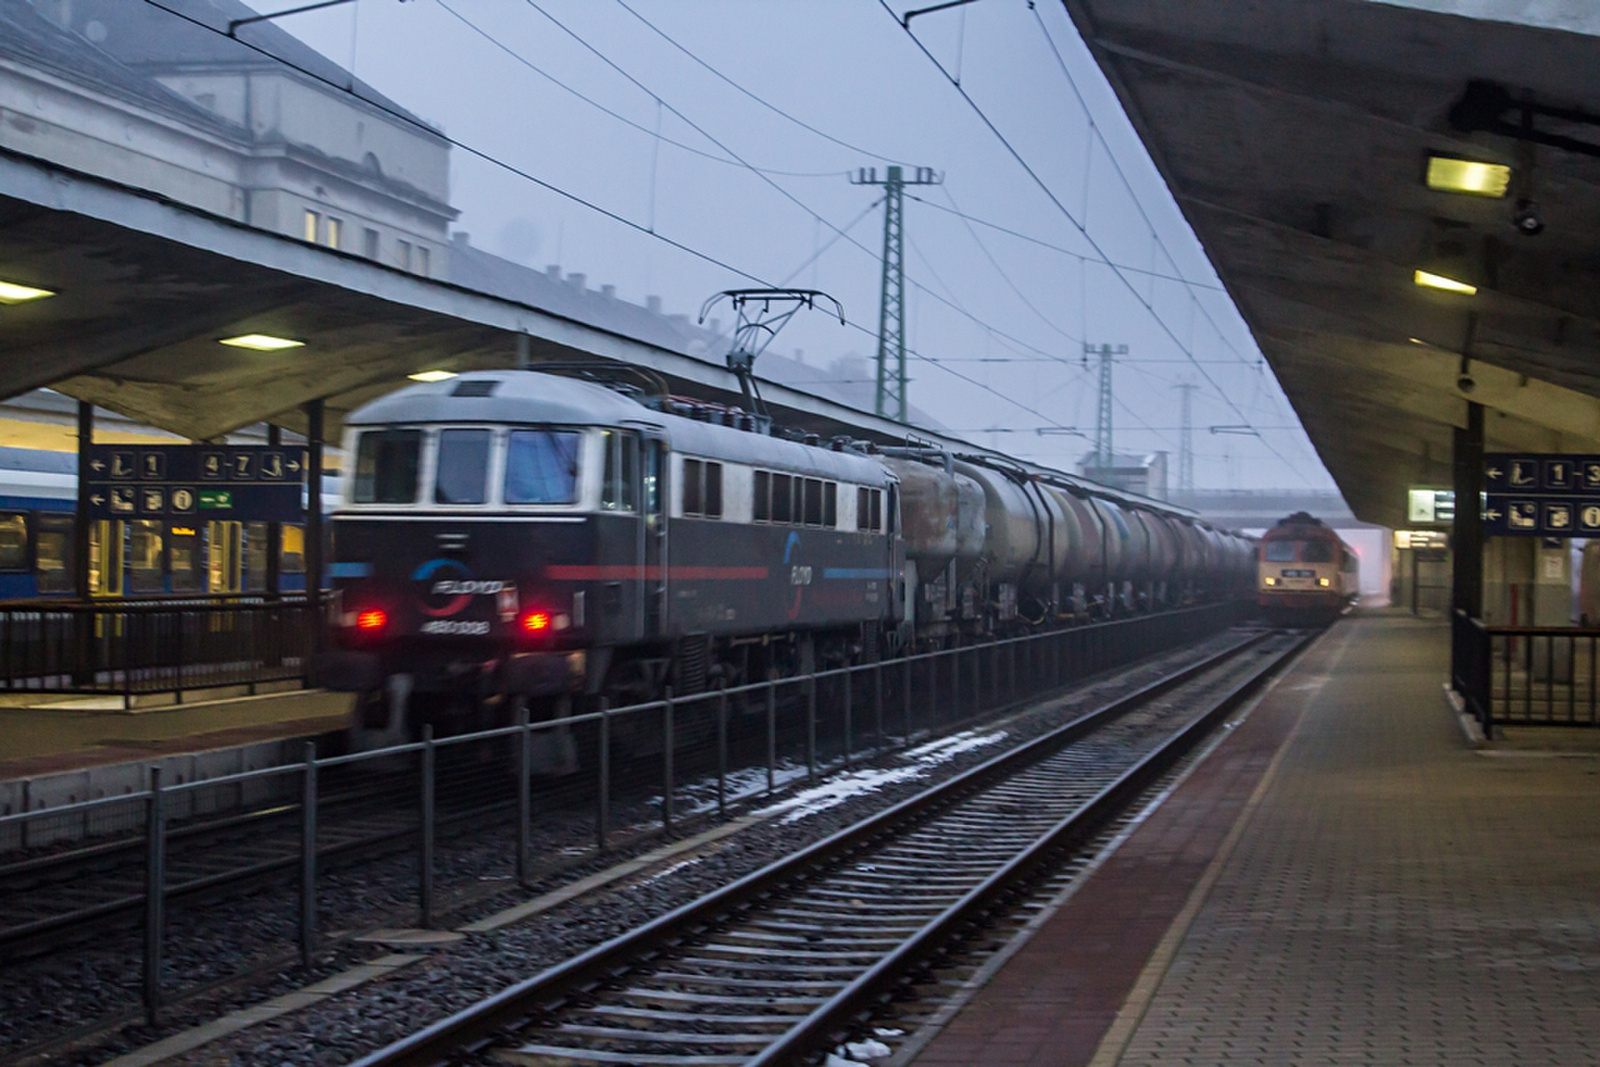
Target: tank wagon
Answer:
pixel 550 539
pixel 1306 574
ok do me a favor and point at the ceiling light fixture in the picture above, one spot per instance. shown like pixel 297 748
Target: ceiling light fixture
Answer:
pixel 16 293
pixel 1429 280
pixel 1466 176
pixel 261 342
pixel 432 375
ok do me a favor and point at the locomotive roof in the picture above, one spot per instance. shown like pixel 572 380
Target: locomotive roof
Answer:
pixel 530 397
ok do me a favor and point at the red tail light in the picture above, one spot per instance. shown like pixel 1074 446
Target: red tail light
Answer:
pixel 536 622
pixel 372 619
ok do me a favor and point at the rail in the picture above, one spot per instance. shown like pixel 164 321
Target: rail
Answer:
pixel 706 749
pixel 1525 675
pixel 130 648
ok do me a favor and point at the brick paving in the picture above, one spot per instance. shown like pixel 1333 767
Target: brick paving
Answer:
pixel 1394 898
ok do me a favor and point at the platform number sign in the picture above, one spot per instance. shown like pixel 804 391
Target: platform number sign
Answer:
pixel 244 483
pixel 1541 495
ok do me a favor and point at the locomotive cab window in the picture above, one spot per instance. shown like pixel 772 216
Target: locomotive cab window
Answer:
pixel 387 462
pixel 1316 552
pixel 462 472
pixel 542 467
pixel 618 490
pixel 13 541
pixel 1278 551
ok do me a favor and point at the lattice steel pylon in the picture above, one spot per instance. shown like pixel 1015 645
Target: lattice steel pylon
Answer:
pixel 891 395
pixel 1103 453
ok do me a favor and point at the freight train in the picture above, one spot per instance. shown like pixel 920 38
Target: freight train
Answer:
pixel 1306 574
pixel 552 539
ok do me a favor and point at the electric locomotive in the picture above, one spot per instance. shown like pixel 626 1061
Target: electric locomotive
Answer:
pixel 541 537
pixel 526 537
pixel 1305 573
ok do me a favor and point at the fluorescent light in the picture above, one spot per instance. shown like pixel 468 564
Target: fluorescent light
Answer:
pixel 13 293
pixel 432 375
pixel 261 342
pixel 1417 341
pixel 1464 176
pixel 1430 280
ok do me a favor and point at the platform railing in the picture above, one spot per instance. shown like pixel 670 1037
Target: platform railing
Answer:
pixel 1526 675
pixel 133 647
pixel 610 775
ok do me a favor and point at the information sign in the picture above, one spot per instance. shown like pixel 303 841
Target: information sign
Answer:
pixel 1541 494
pixel 1431 505
pixel 244 483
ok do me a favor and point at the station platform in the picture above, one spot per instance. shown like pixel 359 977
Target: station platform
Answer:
pixel 45 734
pixel 1345 879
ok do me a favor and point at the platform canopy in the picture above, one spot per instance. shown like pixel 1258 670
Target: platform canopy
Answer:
pixel 145 289
pixel 1296 137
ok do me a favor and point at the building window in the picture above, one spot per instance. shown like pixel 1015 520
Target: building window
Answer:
pixel 422 261
pixel 405 254
pixel 312 221
pixel 371 247
pixel 335 232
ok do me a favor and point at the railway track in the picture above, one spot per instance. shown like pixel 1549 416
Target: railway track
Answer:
pixel 785 961
pixel 51 900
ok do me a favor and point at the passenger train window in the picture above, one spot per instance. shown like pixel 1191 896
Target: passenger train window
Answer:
pixel 1316 552
pixel 542 467
pixel 462 474
pixel 186 551
pixel 53 553
pixel 760 509
pixel 255 556
pixel 618 492
pixel 143 560
pixel 13 541
pixel 386 467
pixel 1278 551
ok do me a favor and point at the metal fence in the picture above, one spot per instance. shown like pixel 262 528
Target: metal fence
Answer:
pixel 612 774
pixel 1525 675
pixel 128 648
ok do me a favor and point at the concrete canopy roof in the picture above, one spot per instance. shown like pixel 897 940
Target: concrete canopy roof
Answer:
pixel 146 288
pixel 1294 136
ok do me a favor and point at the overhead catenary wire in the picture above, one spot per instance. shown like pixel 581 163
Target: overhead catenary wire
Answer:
pixel 1077 224
pixel 487 157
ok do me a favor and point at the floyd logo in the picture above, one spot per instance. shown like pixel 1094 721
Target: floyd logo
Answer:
pixel 447 587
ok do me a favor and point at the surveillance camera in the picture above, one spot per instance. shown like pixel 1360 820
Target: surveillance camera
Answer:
pixel 1527 219
pixel 1466 384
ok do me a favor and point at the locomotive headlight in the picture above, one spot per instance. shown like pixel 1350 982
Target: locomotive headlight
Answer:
pixel 1322 581
pixel 1272 581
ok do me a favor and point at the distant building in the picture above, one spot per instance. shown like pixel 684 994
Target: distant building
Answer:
pixel 135 95
pixel 1144 474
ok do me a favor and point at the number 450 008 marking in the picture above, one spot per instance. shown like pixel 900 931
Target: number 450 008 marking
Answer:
pixel 800 575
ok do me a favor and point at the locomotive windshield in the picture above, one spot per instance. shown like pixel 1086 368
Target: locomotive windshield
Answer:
pixel 1278 551
pixel 463 471
pixel 1316 552
pixel 542 467
pixel 387 462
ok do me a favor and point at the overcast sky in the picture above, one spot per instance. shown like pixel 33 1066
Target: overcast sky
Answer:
pixel 997 320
